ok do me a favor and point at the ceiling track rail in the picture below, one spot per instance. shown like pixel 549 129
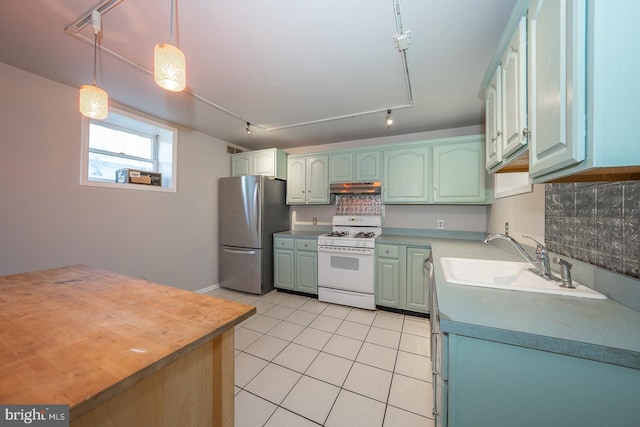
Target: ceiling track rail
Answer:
pixel 403 53
pixel 104 6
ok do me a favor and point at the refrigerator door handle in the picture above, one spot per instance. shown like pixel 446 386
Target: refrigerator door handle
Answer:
pixel 236 251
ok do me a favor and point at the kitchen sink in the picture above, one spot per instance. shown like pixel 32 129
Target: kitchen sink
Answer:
pixel 514 276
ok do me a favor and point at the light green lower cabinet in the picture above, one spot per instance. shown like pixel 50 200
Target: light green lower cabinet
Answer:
pixel 401 280
pixel 493 384
pixel 296 264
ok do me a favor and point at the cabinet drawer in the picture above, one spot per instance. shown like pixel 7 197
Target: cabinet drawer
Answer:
pixel 283 243
pixel 389 251
pixel 306 245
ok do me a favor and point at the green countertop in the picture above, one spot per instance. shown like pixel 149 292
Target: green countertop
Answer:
pixel 601 330
pixel 308 234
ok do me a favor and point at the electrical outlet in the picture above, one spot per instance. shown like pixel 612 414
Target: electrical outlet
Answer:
pixel 506 228
pixel 315 220
pixel 441 224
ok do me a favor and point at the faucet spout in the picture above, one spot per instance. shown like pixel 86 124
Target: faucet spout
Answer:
pixel 511 240
pixel 541 263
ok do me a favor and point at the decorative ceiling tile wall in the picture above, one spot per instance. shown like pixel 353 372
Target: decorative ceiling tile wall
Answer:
pixel 598 223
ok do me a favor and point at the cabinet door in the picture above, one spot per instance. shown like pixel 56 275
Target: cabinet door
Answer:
pixel 307 272
pixel 283 272
pixel 241 164
pixel 388 282
pixel 556 84
pixel 406 175
pixel 264 162
pixel 296 180
pixel 494 121
pixel 459 174
pixel 341 167
pixel 317 189
pixel 514 91
pixel 417 280
pixel 367 165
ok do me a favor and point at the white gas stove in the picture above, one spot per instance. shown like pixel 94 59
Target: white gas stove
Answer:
pixel 346 261
pixel 351 232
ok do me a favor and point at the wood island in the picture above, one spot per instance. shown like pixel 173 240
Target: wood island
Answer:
pixel 119 351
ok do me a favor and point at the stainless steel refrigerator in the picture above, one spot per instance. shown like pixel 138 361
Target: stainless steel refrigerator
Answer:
pixel 251 209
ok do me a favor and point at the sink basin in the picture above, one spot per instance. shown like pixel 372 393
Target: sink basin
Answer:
pixel 509 275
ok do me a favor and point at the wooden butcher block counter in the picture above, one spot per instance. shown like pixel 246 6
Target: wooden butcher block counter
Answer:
pixel 119 351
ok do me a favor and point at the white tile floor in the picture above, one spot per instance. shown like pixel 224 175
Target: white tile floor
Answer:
pixel 301 362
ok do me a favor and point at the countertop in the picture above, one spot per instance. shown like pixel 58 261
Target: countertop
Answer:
pixel 601 330
pixel 309 234
pixel 79 335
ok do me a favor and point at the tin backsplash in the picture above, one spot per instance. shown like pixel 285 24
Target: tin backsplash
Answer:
pixel 359 204
pixel 597 223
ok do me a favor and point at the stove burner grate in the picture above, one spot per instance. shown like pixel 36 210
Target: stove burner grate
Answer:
pixel 338 234
pixel 365 234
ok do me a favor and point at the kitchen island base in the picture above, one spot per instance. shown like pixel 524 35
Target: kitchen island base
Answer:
pixel 195 390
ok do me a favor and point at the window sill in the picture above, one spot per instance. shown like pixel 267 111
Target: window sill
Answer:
pixel 142 187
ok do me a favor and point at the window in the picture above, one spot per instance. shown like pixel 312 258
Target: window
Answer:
pixel 124 140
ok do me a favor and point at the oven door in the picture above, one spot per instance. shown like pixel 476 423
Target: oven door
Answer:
pixel 347 270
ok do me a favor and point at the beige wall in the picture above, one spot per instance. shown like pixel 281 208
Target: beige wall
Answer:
pixel 47 219
pixel 524 213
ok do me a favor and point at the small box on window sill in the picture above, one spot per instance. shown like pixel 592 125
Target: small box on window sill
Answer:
pixel 133 176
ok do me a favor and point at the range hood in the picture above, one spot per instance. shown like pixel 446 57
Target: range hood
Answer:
pixel 355 188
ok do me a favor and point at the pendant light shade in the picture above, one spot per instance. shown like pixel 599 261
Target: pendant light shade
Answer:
pixel 93 102
pixel 169 67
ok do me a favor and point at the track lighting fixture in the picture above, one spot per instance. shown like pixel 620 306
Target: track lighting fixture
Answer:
pixel 169 65
pixel 389 119
pixel 93 102
pixel 248 129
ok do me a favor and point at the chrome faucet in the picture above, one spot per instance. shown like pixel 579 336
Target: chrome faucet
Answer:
pixel 542 255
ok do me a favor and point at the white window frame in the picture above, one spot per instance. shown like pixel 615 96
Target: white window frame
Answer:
pixel 166 145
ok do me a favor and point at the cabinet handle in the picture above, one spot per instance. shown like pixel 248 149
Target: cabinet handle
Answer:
pixel 499 133
pixel 526 132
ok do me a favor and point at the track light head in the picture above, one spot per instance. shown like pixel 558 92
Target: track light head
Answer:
pixel 389 119
pixel 248 128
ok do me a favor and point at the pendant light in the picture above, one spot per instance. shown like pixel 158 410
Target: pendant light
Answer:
pixel 93 101
pixel 169 66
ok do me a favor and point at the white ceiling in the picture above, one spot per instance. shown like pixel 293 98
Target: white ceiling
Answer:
pixel 302 72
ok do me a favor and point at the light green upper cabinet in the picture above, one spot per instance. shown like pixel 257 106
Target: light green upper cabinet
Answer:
pixel 406 175
pixel 513 71
pixel 367 166
pixel 448 170
pixel 269 162
pixel 359 166
pixel 241 164
pixel 308 179
pixel 557 84
pixel 341 167
pixel 493 127
pixel 458 172
pixel 579 109
pixel 506 103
